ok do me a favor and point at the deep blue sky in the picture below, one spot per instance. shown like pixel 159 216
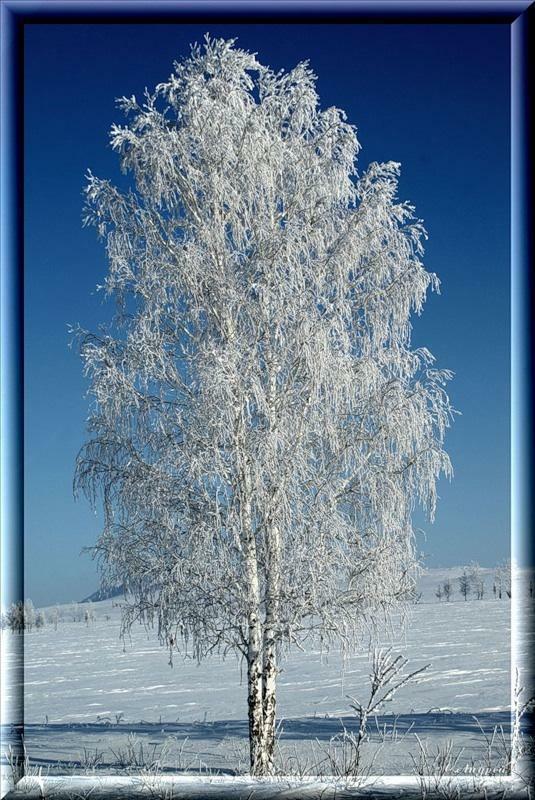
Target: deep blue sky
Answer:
pixel 434 97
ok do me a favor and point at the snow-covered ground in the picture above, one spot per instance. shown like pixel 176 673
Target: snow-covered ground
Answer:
pixel 86 694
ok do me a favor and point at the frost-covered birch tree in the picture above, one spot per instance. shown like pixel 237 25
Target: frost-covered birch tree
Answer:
pixel 261 427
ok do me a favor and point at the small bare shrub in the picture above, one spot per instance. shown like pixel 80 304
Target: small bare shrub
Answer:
pixel 345 751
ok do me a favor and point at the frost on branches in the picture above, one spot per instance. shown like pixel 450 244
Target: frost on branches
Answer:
pixel 261 428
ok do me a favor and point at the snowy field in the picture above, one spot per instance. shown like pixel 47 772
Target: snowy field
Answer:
pixel 92 702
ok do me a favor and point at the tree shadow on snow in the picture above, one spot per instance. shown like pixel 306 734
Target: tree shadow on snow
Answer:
pixel 302 728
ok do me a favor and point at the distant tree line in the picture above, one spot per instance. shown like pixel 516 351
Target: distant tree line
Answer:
pixel 23 616
pixel 471 582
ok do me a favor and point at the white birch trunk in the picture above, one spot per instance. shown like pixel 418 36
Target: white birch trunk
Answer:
pixel 254 678
pixel 254 651
pixel 270 670
pixel 273 591
pixel 254 625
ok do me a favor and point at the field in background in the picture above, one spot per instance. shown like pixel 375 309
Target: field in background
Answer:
pixel 93 701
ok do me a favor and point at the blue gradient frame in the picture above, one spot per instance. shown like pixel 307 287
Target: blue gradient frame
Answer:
pixel 15 14
pixel 522 286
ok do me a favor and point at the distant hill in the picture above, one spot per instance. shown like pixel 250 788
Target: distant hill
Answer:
pixel 103 594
